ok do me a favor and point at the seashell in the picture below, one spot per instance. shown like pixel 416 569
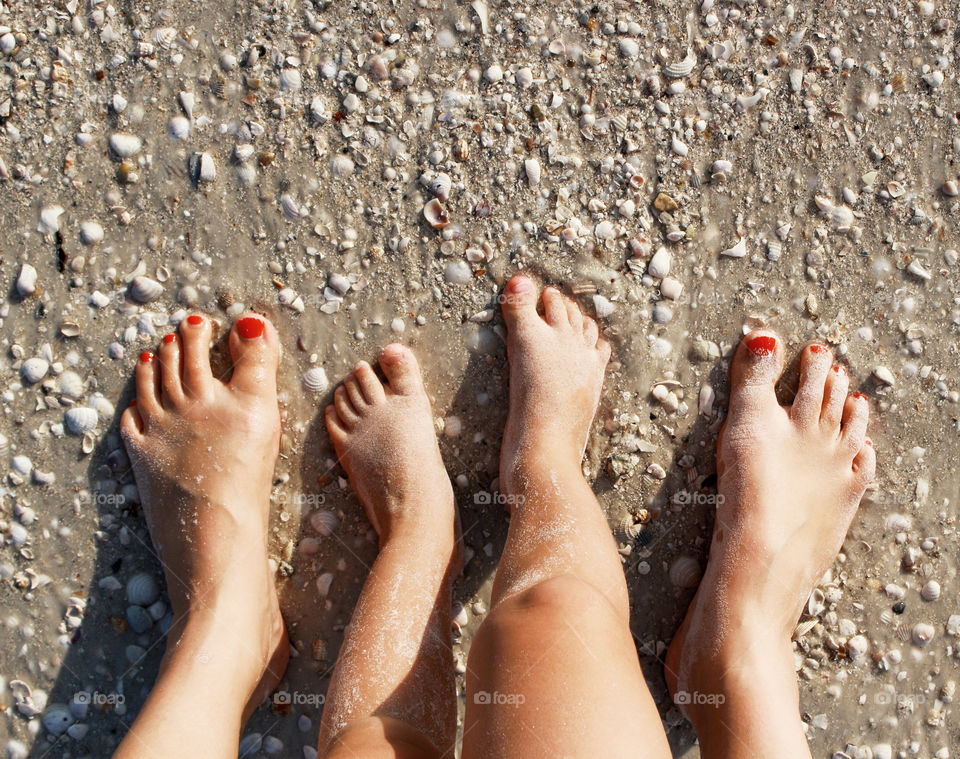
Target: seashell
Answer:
pixel 804 627
pixel 290 79
pixel 435 214
pixel 930 591
pixel 659 266
pixel 88 443
pixel 91 233
pixel 680 69
pixel 531 167
pixel 186 100
pixel 289 297
pixel 857 647
pixel 324 582
pixel 774 250
pixel 4 445
pixel 202 168
pixel 627 529
pixel 138 619
pixel 34 369
pixel 325 522
pixel 101 405
pixel 685 572
pixel 342 165
pixel 70 385
pixel 49 220
pixel 57 718
pixel 438 184
pixel 315 380
pixel 22 465
pixel 27 281
pixel 81 420
pixel 816 604
pixel 922 634
pixel 737 251
pixel 145 290
pixel 289 207
pixel 602 306
pixel 125 145
pixel 142 589
pixel 179 127
pixel 164 36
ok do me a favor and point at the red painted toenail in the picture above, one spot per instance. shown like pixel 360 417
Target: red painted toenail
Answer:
pixel 762 345
pixel 860 396
pixel 133 402
pixel 250 327
pixel 146 357
pixel 817 348
pixel 194 320
pixel 169 338
pixel 868 441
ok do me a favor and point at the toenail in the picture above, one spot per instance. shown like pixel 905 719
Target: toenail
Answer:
pixel 249 327
pixel 859 396
pixel 840 369
pixel 520 284
pixel 132 403
pixel 169 338
pixel 868 441
pixel 195 320
pixel 818 348
pixel 762 345
pixel 146 357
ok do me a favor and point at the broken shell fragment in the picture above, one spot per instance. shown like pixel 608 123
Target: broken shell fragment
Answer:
pixel 435 214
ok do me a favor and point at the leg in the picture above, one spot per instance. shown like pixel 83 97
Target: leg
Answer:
pixel 790 480
pixel 203 453
pixel 553 670
pixel 393 692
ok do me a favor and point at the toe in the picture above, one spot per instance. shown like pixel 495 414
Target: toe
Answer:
pixel 815 363
pixel 856 413
pixel 603 345
pixel 354 393
pixel 402 369
pixel 168 357
pixel 754 372
pixel 369 383
pixel 131 425
pixel 195 334
pixel 574 314
pixel 335 428
pixel 255 353
pixel 834 395
pixel 519 301
pixel 148 387
pixel 865 465
pixel 554 307
pixel 591 332
pixel 346 412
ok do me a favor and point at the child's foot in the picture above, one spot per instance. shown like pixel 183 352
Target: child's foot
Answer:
pixel 203 453
pixel 557 363
pixel 385 440
pixel 790 481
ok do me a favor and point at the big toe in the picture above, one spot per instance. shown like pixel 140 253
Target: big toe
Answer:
pixel 255 352
pixel 519 301
pixel 755 370
pixel 401 368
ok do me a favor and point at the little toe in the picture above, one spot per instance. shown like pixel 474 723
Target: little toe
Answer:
pixel 369 383
pixel 554 307
pixel 131 425
pixel 834 396
pixel 754 372
pixel 574 314
pixel 603 345
pixel 345 410
pixel 865 464
pixel 856 414
pixel 148 387
pixel 195 335
pixel 171 385
pixel 335 427
pixel 519 301
pixel 402 369
pixel 255 353
pixel 815 363
pixel 591 332
pixel 355 395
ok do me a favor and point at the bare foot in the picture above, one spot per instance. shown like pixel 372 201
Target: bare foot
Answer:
pixel 790 481
pixel 384 438
pixel 203 453
pixel 557 363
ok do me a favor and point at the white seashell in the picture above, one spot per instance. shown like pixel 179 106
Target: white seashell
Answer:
pixel 774 250
pixel 315 380
pixel 737 251
pixel 324 582
pixel 857 647
pixel 142 589
pixel 659 266
pixel 4 445
pixel 91 233
pixel 934 79
pixel 339 283
pixel 186 103
pixel 917 270
pixel 202 168
pixel 125 145
pixel 179 127
pixel 435 214
pixel 164 36
pixel 144 290
pixel 101 405
pixel 325 522
pixel 438 184
pixel 816 604
pixel 57 718
pixel 34 370
pixel 22 465
pixel 27 281
pixel 922 634
pixel 243 152
pixel 81 419
pixel 671 288
pixel 602 306
pixel 49 220
pixel 342 165
pixel 883 375
pixel 705 400
pixel 290 79
pixel 531 167
pixel 685 572
pixel 930 591
pixel 289 207
pixel 70 385
pixel 680 69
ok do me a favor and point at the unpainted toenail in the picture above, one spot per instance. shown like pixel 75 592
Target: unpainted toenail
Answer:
pixel 762 345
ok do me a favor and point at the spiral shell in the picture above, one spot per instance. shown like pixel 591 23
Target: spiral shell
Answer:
pixel 81 419
pixel 685 572
pixel 315 380
pixel 680 69
pixel 142 589
pixel 325 522
pixel 34 370
pixel 144 290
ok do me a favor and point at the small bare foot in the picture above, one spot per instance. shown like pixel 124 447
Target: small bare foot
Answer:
pixel 557 364
pixel 203 453
pixel 384 438
pixel 790 482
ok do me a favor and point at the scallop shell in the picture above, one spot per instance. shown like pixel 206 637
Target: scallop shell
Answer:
pixel 627 529
pixel 81 419
pixel 91 233
pixel 142 589
pixel 144 290
pixel 435 214
pixel 27 280
pixel 164 36
pixel 685 572
pixel 70 385
pixel 4 445
pixel 680 69
pixel 342 165
pixel 290 80
pixel 315 380
pixel 325 522
pixel 34 370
